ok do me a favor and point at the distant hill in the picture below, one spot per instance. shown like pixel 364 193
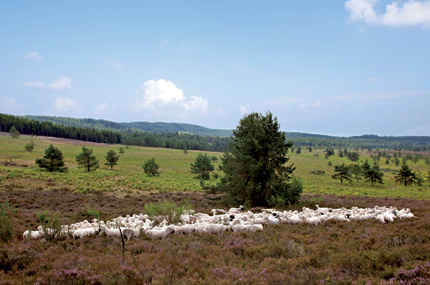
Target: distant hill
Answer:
pixel 157 127
pixel 163 134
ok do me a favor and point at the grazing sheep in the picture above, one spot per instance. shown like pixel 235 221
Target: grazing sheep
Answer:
pixel 111 232
pixel 295 220
pixel 220 211
pixel 256 228
pixel 260 221
pixel 79 233
pixel 129 233
pixel 322 210
pixel 240 228
pixel 32 234
pixel 236 210
pixel 160 234
pixel 187 229
pixel 313 220
pixel 406 216
pixel 216 228
pixel 235 219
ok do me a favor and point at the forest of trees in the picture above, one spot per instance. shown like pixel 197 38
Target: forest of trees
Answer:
pixel 167 140
pixel 193 137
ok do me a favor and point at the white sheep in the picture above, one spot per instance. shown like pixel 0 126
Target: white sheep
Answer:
pixel 111 232
pixel 216 228
pixel 32 234
pixel 406 216
pixel 313 220
pixel 160 234
pixel 130 232
pixel 236 210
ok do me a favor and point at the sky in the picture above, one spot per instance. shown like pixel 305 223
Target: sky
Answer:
pixel 326 67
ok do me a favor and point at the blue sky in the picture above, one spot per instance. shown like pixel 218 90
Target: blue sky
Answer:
pixel 328 67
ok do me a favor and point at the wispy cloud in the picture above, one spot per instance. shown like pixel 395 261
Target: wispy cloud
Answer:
pixel 104 109
pixel 63 105
pixel 115 63
pixel 397 13
pixel 34 55
pixel 9 105
pixel 165 41
pixel 34 84
pixel 62 83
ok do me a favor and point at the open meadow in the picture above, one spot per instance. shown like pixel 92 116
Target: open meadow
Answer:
pixel 333 252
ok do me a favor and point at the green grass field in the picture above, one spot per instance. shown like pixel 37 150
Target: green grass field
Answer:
pixel 128 176
pixel 356 252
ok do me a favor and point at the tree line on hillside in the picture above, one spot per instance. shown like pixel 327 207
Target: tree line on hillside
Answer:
pixel 187 141
pixel 164 140
pixel 32 127
pixel 156 127
pixel 410 143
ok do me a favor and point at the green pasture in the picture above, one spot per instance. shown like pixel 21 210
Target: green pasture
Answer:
pixel 18 170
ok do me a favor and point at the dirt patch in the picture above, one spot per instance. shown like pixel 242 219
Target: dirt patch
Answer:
pixel 13 164
pixel 60 140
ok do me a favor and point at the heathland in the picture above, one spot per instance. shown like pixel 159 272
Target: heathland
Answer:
pixel 333 252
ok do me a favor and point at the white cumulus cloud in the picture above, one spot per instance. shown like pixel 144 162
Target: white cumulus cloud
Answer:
pixel 34 84
pixel 162 97
pixel 63 105
pixel 397 13
pixel 34 55
pixel 61 84
pixel 9 105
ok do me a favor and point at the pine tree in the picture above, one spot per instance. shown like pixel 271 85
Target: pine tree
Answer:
pixel 202 166
pixel 372 173
pixel 53 160
pixel 342 172
pixel 405 175
pixel 150 167
pixel 111 158
pixel 87 160
pixel 255 170
pixel 356 172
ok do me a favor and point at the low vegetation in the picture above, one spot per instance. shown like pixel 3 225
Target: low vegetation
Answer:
pixel 334 252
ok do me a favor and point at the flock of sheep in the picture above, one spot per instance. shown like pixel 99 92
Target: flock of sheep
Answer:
pixel 235 219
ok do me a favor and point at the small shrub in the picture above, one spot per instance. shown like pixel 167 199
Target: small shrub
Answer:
pixel 93 212
pixel 418 275
pixel 166 210
pixel 50 225
pixel 14 132
pixel 6 229
pixel 30 146
pixel 150 167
